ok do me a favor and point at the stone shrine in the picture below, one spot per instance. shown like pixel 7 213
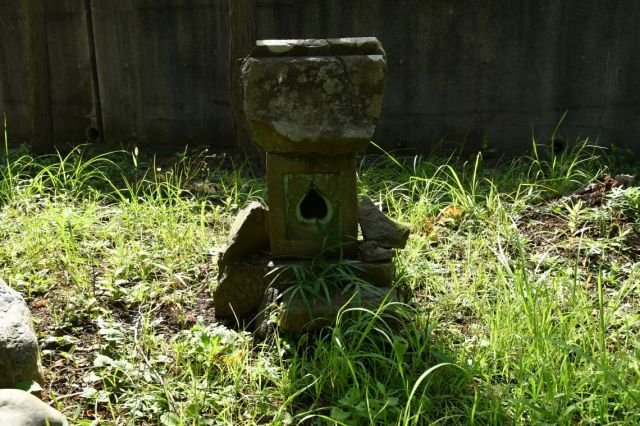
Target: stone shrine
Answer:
pixel 312 105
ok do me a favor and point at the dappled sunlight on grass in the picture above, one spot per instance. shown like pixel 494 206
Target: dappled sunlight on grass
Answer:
pixel 521 297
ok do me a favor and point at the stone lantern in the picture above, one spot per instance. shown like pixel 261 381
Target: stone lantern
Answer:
pixel 312 105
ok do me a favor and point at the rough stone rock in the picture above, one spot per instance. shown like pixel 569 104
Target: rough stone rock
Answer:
pixel 242 286
pixel 248 235
pixel 20 408
pixel 377 227
pixel 328 102
pixel 371 252
pixel 626 180
pixel 19 355
pixel 297 316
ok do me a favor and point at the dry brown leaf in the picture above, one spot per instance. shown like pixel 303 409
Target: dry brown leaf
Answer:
pixel 40 303
pixel 452 212
pixel 428 227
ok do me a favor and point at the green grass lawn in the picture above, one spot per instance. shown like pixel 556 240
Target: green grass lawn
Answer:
pixel 522 295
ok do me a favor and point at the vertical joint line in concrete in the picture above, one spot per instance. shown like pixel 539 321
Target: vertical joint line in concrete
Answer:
pixel 94 69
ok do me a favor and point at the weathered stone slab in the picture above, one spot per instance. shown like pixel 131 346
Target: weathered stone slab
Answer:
pixel 298 316
pixel 20 408
pixel 318 47
pixel 370 251
pixel 291 47
pixel 241 288
pixel 626 180
pixel 319 103
pixel 19 356
pixel 248 235
pixel 376 226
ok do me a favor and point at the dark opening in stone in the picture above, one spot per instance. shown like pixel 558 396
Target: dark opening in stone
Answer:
pixel 313 206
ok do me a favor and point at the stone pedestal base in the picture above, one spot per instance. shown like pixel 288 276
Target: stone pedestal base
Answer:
pixel 243 283
pixel 298 315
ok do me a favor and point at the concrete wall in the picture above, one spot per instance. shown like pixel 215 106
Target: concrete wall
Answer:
pixel 13 68
pixel 162 69
pixel 159 78
pixel 460 73
pixel 72 98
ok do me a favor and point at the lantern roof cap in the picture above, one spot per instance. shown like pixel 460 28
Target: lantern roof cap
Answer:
pixel 318 47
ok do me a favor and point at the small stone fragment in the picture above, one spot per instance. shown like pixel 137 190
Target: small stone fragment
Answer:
pixel 377 227
pixel 20 408
pixel 248 235
pixel 19 355
pixel 370 251
pixel 626 180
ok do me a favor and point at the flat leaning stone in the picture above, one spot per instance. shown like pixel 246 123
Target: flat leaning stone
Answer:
pixel 248 235
pixel 369 251
pixel 377 227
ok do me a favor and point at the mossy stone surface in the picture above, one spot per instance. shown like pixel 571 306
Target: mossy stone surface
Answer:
pixel 313 205
pixel 328 102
